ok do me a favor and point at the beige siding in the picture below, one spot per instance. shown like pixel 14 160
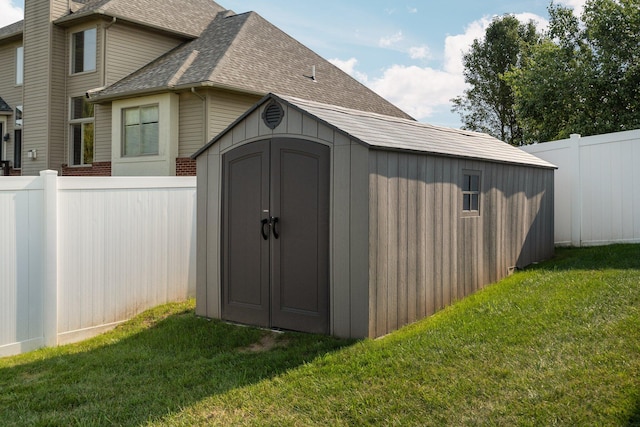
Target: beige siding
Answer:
pixel 129 48
pixel 37 78
pixel 424 254
pixel 58 114
pixel 11 93
pixel 102 133
pixel 225 107
pixel 192 124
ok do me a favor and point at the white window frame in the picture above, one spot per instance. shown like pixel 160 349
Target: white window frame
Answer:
pixel 471 193
pixel 89 58
pixel 162 164
pixel 139 127
pixel 84 123
pixel 18 116
pixel 19 65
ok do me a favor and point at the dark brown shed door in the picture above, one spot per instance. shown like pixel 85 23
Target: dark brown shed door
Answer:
pixel 276 235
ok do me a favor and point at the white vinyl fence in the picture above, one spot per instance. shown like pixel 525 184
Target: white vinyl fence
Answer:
pixel 81 255
pixel 597 188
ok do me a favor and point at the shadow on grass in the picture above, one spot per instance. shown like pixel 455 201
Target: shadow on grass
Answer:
pixel 150 374
pixel 618 257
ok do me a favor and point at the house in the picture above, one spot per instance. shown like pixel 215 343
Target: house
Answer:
pixel 134 87
pixel 320 218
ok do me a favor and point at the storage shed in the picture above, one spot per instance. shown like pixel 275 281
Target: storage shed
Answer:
pixel 318 218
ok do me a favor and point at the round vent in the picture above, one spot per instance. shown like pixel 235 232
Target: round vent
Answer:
pixel 273 115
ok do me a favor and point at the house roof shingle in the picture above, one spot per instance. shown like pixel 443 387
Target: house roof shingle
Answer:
pixel 12 30
pixel 4 107
pixel 186 17
pixel 393 133
pixel 247 53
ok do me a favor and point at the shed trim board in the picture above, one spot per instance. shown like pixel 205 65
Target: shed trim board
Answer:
pixel 400 246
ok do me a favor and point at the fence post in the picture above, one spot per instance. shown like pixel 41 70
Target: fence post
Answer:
pixel 50 252
pixel 576 191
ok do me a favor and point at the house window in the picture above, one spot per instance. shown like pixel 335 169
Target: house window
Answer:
pixel 471 193
pixel 19 65
pixel 19 115
pixel 82 134
pixel 140 133
pixel 17 149
pixel 83 51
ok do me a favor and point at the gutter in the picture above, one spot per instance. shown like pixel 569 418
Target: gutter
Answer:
pixel 98 98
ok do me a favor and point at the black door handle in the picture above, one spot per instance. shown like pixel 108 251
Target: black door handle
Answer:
pixel 274 221
pixel 265 235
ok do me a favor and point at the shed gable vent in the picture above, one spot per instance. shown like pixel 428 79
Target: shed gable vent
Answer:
pixel 272 115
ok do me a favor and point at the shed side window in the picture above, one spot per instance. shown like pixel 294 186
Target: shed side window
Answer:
pixel 471 193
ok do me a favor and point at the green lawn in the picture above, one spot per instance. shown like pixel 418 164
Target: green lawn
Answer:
pixel 557 344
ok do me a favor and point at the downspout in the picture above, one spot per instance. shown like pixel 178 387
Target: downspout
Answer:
pixel 204 114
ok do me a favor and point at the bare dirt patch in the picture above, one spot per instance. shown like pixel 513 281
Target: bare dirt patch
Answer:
pixel 269 341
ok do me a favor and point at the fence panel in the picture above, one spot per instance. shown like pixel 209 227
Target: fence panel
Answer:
pixel 597 188
pixel 21 291
pixel 115 246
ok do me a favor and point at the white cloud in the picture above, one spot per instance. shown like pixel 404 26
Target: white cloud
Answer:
pixel 391 40
pixel 577 5
pixel 9 13
pixel 349 67
pixel 421 91
pixel 455 46
pixel 419 52
pixel 412 9
pixel 418 90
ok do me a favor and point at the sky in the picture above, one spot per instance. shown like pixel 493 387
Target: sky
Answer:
pixel 408 51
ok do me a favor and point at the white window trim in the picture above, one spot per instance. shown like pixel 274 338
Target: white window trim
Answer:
pixel 161 164
pixel 81 121
pixel 19 80
pixel 18 121
pixel 139 107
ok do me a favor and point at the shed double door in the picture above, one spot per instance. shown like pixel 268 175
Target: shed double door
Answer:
pixel 276 235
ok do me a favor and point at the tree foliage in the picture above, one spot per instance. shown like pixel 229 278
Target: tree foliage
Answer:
pixel 584 77
pixel 488 105
pixel 581 76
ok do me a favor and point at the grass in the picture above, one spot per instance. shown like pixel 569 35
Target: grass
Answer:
pixel 556 344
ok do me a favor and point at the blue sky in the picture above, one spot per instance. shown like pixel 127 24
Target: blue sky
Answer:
pixel 409 51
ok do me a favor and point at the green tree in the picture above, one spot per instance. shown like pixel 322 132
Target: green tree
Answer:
pixel 488 104
pixel 585 75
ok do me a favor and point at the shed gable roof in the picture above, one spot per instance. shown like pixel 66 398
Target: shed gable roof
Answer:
pixel 245 52
pixel 392 133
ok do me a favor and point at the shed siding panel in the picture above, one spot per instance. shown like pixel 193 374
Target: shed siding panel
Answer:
pixel 359 243
pixel 341 215
pixel 426 254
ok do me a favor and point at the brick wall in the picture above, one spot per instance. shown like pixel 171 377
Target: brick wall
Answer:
pixel 185 167
pixel 96 169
